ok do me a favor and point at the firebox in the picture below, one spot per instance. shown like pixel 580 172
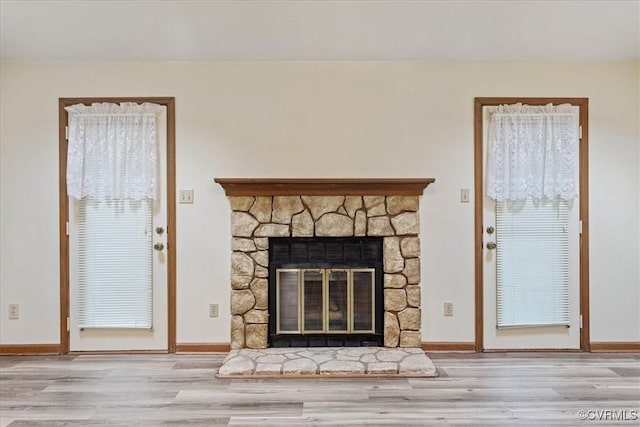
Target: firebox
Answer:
pixel 325 291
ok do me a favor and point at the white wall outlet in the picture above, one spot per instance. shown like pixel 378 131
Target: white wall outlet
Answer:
pixel 213 310
pixel 14 311
pixel 185 196
pixel 448 309
pixel 464 195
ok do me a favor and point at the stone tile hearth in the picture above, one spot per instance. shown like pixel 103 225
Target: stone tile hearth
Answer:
pixel 327 361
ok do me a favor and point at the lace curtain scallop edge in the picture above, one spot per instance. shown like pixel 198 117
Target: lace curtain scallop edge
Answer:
pixel 532 152
pixel 112 151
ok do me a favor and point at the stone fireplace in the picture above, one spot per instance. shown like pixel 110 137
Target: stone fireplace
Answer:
pixel 276 209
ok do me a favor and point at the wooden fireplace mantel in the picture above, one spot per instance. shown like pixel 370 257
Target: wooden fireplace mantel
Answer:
pixel 324 186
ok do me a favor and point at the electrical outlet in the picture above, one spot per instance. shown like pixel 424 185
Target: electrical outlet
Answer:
pixel 213 310
pixel 185 196
pixel 14 311
pixel 464 195
pixel 448 309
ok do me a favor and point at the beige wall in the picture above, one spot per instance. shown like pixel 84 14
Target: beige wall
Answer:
pixel 316 119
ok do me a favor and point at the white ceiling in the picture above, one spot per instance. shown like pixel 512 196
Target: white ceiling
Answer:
pixel 157 30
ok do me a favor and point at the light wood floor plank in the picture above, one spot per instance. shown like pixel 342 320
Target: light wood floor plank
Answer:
pixel 492 389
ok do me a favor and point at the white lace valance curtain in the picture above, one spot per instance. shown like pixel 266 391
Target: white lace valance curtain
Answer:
pixel 532 152
pixel 112 151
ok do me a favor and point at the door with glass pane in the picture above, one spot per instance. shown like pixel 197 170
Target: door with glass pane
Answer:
pixel 531 272
pixel 118 269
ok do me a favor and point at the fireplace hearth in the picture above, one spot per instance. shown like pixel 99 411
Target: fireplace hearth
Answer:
pixel 303 268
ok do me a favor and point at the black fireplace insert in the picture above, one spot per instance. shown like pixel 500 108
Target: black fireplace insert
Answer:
pixel 325 291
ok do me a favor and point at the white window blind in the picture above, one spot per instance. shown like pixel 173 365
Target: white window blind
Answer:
pixel 115 264
pixel 532 263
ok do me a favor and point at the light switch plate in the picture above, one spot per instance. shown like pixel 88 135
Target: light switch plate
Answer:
pixel 185 196
pixel 464 195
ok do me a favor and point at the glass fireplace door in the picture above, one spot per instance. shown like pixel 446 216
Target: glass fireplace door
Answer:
pixel 288 296
pixel 325 301
pixel 363 301
pixel 337 313
pixel 313 301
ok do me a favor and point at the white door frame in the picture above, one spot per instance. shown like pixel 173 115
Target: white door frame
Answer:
pixel 169 103
pixel 583 104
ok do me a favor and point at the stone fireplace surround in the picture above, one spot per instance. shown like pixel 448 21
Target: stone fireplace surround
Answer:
pixel 263 208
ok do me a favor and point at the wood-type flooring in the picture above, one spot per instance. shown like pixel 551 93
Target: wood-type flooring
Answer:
pixel 491 389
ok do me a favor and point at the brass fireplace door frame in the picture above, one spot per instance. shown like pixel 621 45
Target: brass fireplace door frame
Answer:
pixel 326 303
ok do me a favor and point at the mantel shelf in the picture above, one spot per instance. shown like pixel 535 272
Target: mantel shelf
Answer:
pixel 324 187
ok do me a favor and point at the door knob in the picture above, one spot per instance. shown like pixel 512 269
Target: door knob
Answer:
pixel 491 245
pixel 158 246
pixel 490 229
pixel 159 230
